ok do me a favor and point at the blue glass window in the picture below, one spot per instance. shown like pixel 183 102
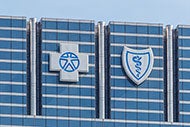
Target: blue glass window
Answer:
pixel 62 25
pixel 131 29
pixel 86 48
pixel 184 31
pixel 50 46
pixel 13 22
pixel 63 36
pixel 74 26
pixel 86 26
pixel 86 37
pixel 73 37
pixel 19 23
pixel 49 35
pixel 155 30
pixel 49 24
pixel 119 28
pixel 5 22
pixel 142 29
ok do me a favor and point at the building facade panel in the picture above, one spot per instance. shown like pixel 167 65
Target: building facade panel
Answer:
pixel 184 61
pixel 66 100
pixel 13 84
pixel 136 36
pixel 100 86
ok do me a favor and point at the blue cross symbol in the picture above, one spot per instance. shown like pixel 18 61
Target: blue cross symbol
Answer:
pixel 69 62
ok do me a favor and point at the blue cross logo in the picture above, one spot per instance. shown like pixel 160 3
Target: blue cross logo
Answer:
pixel 69 62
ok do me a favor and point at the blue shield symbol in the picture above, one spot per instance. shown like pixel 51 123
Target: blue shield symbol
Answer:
pixel 137 64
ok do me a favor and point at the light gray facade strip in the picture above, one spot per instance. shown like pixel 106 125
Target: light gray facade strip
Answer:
pixel 13 28
pixel 68 96
pixel 125 77
pixel 184 58
pixel 13 39
pixel 67 20
pixel 70 42
pixel 69 86
pixel 13 83
pixel 184 91
pixel 184 80
pixel 33 65
pixel 138 35
pixel 12 61
pixel 49 52
pixel 12 94
pixel 138 100
pixel 118 55
pixel 12 17
pixel 137 89
pixel 56 74
pixel 119 66
pixel 70 31
pixel 184 48
pixel 183 37
pixel 12 50
pixel 98 120
pixel 183 26
pixel 14 126
pixel 184 113
pixel 136 110
pixel 68 107
pixel 12 72
pixel 101 75
pixel 134 45
pixel 13 104
pixel 169 44
pixel 184 102
pixel 135 23
pixel 184 69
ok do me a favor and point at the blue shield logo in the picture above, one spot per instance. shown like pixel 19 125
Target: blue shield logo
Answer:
pixel 137 64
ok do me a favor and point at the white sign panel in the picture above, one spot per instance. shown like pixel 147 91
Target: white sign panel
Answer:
pixel 69 62
pixel 137 64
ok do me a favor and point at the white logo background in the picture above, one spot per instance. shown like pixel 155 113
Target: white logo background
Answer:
pixel 67 73
pixel 137 64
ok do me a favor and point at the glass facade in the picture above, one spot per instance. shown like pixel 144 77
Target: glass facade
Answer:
pixel 13 65
pixel 32 94
pixel 129 101
pixel 183 62
pixel 61 98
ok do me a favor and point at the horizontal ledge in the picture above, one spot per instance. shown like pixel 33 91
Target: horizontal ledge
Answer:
pixel 12 94
pixel 13 83
pixel 138 100
pixel 68 96
pixel 135 45
pixel 68 107
pixel 68 31
pixel 136 110
pixel 137 35
pixel 68 85
pixel 13 39
pixel 95 119
pixel 71 42
pixel 137 89
pixel 12 104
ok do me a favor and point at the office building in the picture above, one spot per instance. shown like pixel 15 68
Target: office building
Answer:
pixel 79 73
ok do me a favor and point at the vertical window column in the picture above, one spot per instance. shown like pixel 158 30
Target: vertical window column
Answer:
pixel 175 77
